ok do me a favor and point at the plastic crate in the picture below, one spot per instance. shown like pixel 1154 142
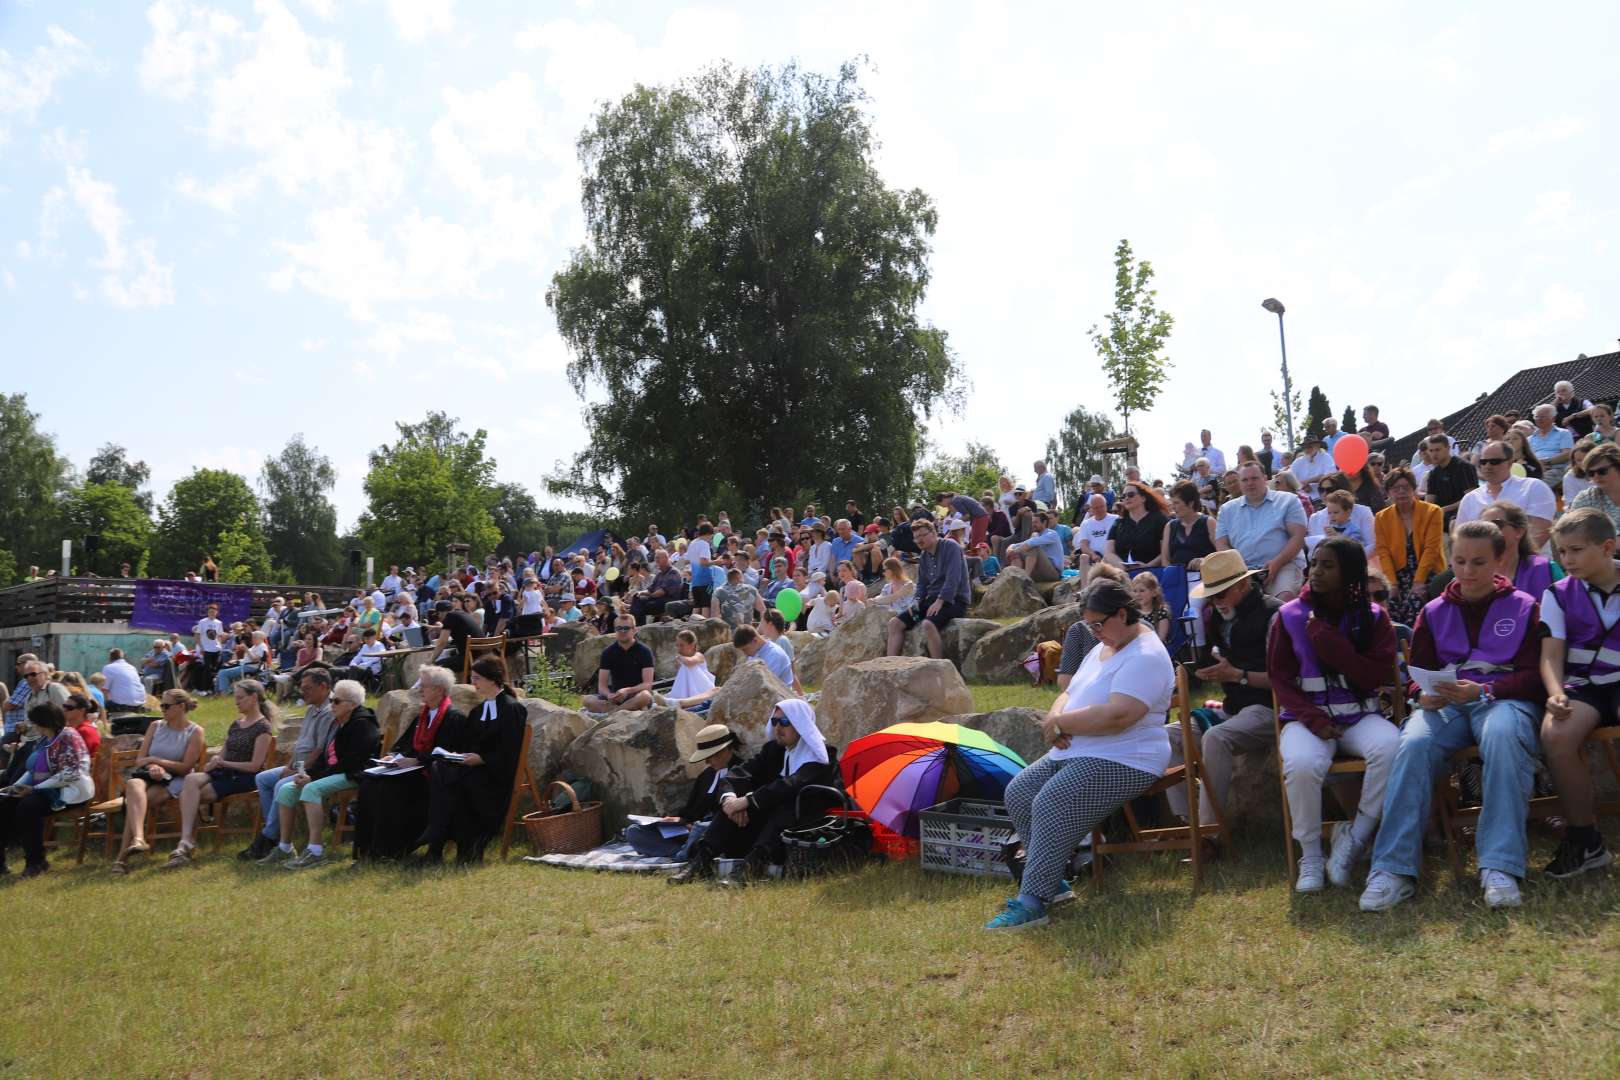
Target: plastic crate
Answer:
pixel 966 836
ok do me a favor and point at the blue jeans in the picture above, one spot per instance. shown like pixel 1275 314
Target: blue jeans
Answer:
pixel 268 782
pixel 1505 732
pixel 226 677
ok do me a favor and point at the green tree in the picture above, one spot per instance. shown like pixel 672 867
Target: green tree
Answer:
pixel 1319 411
pixel 1132 350
pixel 111 465
pixel 971 472
pixel 241 557
pixel 1073 459
pixel 300 522
pixel 33 480
pixel 1348 423
pixel 194 520
pixel 746 266
pixel 1280 420
pixel 112 512
pixel 517 516
pixel 431 487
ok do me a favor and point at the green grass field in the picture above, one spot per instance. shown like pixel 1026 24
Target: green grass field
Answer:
pixel 224 969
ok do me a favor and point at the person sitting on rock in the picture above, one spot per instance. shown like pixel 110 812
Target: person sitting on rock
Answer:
pixel 625 674
pixel 694 685
pixel 943 591
pixel 759 800
pixel 1041 556
pixel 748 641
pixel 716 751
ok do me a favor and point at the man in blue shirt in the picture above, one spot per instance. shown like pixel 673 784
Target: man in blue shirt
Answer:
pixel 1553 445
pixel 843 542
pixel 1042 554
pixel 1268 529
pixel 1045 486
pixel 942 592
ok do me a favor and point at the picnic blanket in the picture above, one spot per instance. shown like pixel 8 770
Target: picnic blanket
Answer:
pixel 617 856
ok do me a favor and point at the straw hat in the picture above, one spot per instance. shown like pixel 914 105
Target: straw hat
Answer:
pixel 711 740
pixel 1220 571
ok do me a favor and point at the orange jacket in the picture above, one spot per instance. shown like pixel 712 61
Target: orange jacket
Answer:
pixel 1390 535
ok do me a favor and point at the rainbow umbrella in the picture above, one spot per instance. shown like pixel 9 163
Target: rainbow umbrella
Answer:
pixel 904 769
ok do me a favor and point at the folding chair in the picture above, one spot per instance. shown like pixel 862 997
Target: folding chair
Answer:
pixel 1342 765
pixel 340 803
pixel 1453 815
pixel 77 817
pixel 109 801
pixel 1188 837
pixel 476 646
pixel 522 781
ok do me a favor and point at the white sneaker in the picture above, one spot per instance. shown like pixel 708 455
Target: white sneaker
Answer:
pixel 661 700
pixel 1384 890
pixel 1311 876
pixel 1501 889
pixel 1343 854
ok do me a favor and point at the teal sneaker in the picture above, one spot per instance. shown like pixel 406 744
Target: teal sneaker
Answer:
pixel 1017 917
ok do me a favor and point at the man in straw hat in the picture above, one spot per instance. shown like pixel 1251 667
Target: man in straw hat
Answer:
pixel 716 750
pixel 1237 617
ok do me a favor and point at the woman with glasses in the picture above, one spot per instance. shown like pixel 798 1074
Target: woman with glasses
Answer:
pixel 1408 542
pixel 1137 538
pixel 169 751
pixel 1602 468
pixel 1520 564
pixel 1575 480
pixel 1331 650
pixel 57 776
pixel 1106 731
pixel 760 800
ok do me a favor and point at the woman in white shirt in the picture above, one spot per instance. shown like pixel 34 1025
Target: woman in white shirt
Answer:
pixel 1108 747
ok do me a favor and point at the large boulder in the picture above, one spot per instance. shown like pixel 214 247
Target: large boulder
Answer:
pixel 958 639
pixel 745 702
pixel 858 699
pixel 634 761
pixel 1018 729
pixel 659 637
pixel 722 659
pixel 865 637
pixel 397 708
pixel 1011 595
pixel 552 729
pixel 1066 591
pixel 996 656
pixel 564 641
pixel 809 655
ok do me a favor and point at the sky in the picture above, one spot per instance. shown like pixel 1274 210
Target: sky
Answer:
pixel 221 224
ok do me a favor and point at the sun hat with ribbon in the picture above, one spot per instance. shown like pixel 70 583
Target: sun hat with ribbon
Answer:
pixel 711 740
pixel 1221 570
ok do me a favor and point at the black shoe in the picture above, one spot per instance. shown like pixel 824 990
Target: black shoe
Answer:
pixel 257 850
pixel 1013 852
pixel 35 869
pixel 700 865
pixel 1575 858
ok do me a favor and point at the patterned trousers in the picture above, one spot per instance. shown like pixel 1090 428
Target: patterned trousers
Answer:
pixel 1056 803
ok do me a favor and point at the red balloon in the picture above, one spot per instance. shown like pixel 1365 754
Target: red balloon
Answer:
pixel 1350 453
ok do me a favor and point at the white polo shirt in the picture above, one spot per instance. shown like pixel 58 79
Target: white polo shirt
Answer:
pixel 1534 497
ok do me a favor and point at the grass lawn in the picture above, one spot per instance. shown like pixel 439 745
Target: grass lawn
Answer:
pixel 518 970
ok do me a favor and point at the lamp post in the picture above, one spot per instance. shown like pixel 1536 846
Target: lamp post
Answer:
pixel 1275 306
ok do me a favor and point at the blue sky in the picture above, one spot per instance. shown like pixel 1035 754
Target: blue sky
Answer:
pixel 224 223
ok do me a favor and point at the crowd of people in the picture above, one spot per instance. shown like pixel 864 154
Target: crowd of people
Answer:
pixel 1476 583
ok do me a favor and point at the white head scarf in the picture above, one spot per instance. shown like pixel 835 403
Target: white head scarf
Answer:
pixel 811 747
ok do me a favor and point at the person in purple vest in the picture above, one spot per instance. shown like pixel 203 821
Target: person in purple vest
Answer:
pixel 1529 572
pixel 1580 670
pixel 1331 648
pixel 1492 633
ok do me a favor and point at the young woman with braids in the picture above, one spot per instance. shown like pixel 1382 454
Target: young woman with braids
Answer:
pixel 1330 650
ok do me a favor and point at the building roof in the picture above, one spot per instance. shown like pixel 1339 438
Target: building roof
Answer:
pixel 1596 378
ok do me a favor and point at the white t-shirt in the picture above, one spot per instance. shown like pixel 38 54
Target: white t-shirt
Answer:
pixel 1308 470
pixel 124 684
pixel 691 679
pixel 1534 497
pixel 1552 612
pixel 532 599
pixel 697 553
pixel 367 656
pixel 1095 531
pixel 820 620
pixel 1142 670
pixel 208 633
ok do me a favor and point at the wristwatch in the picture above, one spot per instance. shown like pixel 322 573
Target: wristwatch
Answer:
pixel 1243 678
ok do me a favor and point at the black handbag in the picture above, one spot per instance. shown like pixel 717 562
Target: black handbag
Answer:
pixel 837 842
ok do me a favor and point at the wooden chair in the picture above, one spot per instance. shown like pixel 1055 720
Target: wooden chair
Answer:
pixel 109 803
pixel 480 646
pixel 1453 815
pixel 522 781
pixel 1342 765
pixel 1188 837
pixel 77 818
pixel 214 817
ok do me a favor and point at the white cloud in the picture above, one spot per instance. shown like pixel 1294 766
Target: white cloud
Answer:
pixel 1552 208
pixel 414 20
pixel 418 327
pixel 8 278
pixel 186 46
pixel 134 278
pixel 1456 287
pixel 1523 138
pixel 313 344
pixel 27 82
pixel 24 249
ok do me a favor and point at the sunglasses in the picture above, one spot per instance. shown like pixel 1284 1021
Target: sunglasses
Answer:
pixel 1599 470
pixel 1494 460
pixel 781 721
pixel 623 629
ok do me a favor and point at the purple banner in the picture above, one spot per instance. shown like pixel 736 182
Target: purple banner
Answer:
pixel 177 605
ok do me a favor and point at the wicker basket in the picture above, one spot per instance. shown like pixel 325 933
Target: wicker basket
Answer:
pixel 565 832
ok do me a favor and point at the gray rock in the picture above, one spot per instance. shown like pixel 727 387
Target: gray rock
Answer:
pixel 809 655
pixel 995 657
pixel 744 704
pixel 635 763
pixel 722 659
pixel 859 699
pixel 1012 593
pixel 1066 591
pixel 865 637
pixel 552 730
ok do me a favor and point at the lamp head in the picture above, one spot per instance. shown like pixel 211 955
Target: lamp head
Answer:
pixel 1273 305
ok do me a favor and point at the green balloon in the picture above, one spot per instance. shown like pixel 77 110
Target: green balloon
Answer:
pixel 789 603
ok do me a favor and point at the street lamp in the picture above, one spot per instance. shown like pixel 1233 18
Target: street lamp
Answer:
pixel 1275 306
